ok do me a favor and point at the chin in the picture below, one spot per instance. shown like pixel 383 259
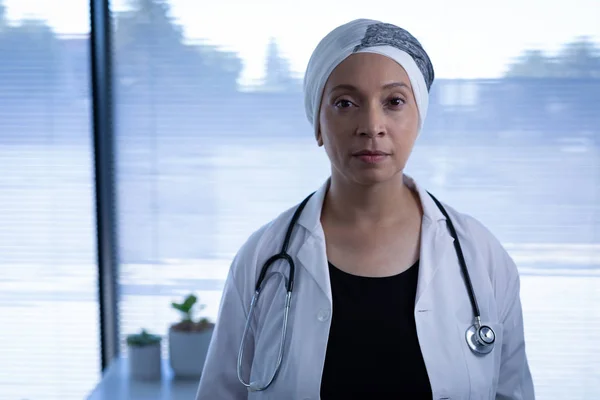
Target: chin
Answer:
pixel 374 177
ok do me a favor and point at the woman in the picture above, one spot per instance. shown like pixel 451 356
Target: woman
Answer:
pixel 380 307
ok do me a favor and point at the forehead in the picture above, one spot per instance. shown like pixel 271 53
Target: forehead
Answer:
pixel 367 69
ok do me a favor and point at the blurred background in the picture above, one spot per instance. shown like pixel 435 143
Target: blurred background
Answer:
pixel 211 142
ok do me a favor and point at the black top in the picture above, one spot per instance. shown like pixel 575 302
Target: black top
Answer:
pixel 373 350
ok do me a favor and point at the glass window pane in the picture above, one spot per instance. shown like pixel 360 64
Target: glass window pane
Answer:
pixel 213 143
pixel 48 303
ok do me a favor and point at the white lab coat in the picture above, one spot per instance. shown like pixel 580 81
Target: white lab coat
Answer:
pixel 442 312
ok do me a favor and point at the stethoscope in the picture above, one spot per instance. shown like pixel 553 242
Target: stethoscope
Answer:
pixel 480 338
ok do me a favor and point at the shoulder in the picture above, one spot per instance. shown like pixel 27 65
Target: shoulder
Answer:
pixel 474 232
pixel 260 245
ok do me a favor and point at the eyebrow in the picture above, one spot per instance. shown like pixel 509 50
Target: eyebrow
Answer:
pixel 355 89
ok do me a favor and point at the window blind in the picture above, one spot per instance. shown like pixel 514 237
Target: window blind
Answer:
pixel 213 143
pixel 48 305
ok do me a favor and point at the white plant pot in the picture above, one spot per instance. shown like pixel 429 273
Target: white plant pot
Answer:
pixel 187 352
pixel 145 362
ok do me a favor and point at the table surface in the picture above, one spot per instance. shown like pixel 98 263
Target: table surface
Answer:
pixel 117 385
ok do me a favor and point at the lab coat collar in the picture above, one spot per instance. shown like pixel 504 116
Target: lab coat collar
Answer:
pixel 435 244
pixel 430 209
pixel 311 216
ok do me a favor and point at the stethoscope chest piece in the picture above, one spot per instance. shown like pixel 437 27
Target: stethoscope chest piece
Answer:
pixel 481 338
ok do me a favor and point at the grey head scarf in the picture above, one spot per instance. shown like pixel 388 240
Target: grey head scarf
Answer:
pixel 367 36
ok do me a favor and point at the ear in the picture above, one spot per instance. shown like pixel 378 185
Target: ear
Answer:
pixel 319 138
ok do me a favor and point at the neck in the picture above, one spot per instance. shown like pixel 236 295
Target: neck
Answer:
pixel 381 203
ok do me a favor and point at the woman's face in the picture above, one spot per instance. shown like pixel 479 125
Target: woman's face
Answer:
pixel 368 119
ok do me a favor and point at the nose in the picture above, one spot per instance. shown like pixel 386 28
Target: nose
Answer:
pixel 371 122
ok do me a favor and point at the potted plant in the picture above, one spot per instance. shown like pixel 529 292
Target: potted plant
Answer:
pixel 144 356
pixel 189 340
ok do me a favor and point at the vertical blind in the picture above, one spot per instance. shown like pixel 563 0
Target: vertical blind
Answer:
pixel 48 306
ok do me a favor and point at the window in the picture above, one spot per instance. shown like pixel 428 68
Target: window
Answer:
pixel 48 303
pixel 213 142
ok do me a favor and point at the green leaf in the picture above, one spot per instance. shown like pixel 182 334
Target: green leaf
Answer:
pixel 190 301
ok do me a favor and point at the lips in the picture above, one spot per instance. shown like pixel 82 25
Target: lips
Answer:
pixel 370 153
pixel 371 157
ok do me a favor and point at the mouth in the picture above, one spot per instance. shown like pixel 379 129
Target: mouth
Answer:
pixel 370 156
pixel 370 153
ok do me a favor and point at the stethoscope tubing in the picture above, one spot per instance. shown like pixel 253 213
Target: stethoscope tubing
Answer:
pixel 479 341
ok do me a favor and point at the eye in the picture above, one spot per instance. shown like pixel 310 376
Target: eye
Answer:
pixel 343 103
pixel 397 101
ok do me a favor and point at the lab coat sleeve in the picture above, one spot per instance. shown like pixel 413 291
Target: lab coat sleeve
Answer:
pixel 219 377
pixel 515 380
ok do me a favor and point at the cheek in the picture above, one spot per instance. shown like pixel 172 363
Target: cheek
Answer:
pixel 324 126
pixel 404 135
pixel 328 121
pixel 407 125
pixel 409 117
pixel 405 140
pixel 332 128
pixel 332 138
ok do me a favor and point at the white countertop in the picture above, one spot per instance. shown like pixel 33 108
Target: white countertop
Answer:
pixel 117 385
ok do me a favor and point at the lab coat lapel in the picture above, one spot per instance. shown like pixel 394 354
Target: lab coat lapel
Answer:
pixel 436 245
pixel 312 253
pixel 313 257
pixel 436 248
pixel 440 336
